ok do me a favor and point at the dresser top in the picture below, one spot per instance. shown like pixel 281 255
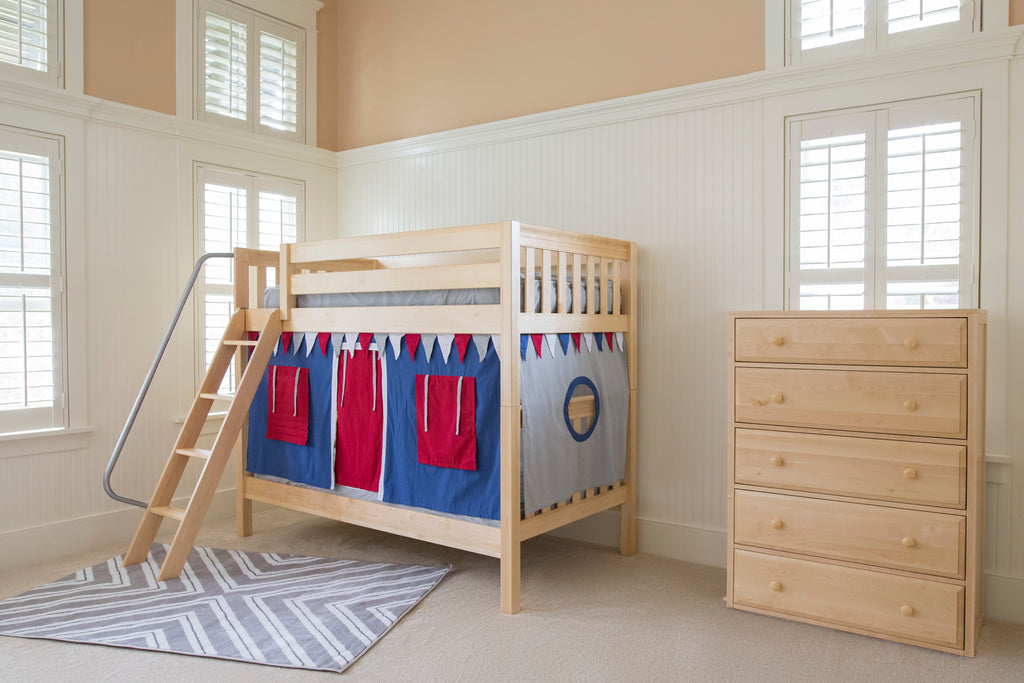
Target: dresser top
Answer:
pixel 978 314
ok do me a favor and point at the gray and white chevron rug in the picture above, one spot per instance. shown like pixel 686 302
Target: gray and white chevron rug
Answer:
pixel 265 608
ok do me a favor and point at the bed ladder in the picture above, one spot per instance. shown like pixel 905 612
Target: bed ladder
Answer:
pixel 191 517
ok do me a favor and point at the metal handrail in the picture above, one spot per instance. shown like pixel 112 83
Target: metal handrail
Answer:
pixel 149 380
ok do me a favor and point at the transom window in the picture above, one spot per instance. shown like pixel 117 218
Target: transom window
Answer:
pixel 819 29
pixel 29 39
pixel 252 73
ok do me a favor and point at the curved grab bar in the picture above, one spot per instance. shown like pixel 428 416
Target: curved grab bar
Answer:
pixel 149 380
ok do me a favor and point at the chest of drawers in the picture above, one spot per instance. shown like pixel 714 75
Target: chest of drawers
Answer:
pixel 856 471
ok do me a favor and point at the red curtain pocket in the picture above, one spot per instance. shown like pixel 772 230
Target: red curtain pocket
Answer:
pixel 288 404
pixel 360 436
pixel 446 421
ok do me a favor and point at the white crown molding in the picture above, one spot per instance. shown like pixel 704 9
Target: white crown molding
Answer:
pixel 96 110
pixel 991 46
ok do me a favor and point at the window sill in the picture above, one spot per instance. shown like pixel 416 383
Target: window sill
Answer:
pixel 17 444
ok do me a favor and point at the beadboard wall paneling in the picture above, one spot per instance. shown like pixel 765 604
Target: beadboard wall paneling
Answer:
pixel 134 170
pixel 686 188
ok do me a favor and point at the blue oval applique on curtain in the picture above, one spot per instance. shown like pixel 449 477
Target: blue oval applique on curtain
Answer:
pixel 577 408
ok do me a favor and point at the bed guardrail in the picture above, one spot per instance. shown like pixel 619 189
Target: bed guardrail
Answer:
pixel 149 379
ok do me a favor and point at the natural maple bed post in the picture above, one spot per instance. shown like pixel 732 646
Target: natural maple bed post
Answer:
pixel 627 540
pixel 248 294
pixel 510 418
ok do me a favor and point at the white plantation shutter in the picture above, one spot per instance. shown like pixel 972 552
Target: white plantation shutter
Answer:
pixel 279 81
pixel 226 79
pixel 237 210
pixel 928 259
pixel 907 15
pixel 881 208
pixel 829 22
pixel 253 75
pixel 31 346
pixel 831 242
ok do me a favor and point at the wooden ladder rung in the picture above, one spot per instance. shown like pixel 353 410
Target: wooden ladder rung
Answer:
pixel 168 511
pixel 218 397
pixel 240 342
pixel 194 452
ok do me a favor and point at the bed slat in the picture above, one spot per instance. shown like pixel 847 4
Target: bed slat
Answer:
pixel 563 290
pixel 474 319
pixel 545 282
pixel 577 283
pixel 529 272
pixel 400 279
pixel 464 238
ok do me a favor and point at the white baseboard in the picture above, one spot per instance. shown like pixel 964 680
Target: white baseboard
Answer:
pixel 51 541
pixel 1004 598
pixel 678 541
pixel 1004 595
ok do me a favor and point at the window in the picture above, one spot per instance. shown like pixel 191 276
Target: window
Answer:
pixel 236 209
pixel 882 208
pixel 836 28
pixel 29 39
pixel 251 66
pixel 32 386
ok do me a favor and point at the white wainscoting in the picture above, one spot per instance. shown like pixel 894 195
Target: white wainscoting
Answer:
pixel 130 216
pixel 683 173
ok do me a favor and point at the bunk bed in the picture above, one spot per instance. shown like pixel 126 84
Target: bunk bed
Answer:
pixel 512 300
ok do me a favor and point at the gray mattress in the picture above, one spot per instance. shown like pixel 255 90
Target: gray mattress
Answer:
pixel 425 297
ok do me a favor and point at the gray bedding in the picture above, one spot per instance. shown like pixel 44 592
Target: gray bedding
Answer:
pixel 425 297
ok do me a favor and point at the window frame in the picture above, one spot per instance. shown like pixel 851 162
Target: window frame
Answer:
pixel 876 126
pixel 782 44
pixel 254 183
pixel 57 416
pixel 54 74
pixel 297 15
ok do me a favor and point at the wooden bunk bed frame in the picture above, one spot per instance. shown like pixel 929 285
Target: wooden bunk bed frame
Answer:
pixel 480 256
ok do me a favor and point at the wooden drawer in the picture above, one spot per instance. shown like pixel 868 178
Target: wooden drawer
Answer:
pixel 926 404
pixel 913 609
pixel 937 342
pixel 929 542
pixel 903 471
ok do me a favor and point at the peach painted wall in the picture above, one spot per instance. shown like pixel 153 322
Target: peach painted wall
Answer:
pixel 1016 12
pixel 327 75
pixel 406 68
pixel 129 52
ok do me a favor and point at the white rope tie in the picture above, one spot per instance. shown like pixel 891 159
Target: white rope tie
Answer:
pixel 426 386
pixel 458 406
pixel 373 360
pixel 273 390
pixel 344 373
pixel 295 393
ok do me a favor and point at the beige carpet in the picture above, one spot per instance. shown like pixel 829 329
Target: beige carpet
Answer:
pixel 588 614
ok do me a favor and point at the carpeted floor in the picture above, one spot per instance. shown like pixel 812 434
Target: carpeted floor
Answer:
pixel 588 614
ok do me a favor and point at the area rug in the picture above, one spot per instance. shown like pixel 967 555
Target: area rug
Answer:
pixel 266 608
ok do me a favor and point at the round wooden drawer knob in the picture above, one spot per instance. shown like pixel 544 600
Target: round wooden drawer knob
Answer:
pixel 910 343
pixel 778 341
pixel 778 398
pixel 910 473
pixel 777 461
pixel 775 586
pixel 907 611
pixel 910 404
pixel 775 524
pixel 908 542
